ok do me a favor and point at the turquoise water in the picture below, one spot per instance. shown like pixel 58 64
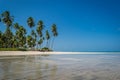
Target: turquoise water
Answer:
pixel 61 67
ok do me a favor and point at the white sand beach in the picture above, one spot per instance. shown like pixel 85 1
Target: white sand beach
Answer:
pixel 15 53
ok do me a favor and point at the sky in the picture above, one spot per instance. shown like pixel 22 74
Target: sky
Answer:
pixel 83 25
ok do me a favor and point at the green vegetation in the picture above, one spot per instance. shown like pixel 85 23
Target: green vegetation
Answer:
pixel 15 37
pixel 45 49
pixel 12 49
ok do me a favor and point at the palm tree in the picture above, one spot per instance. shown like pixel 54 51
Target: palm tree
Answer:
pixel 29 41
pixel 16 26
pixel 30 22
pixel 40 42
pixel 16 36
pixel 34 36
pixel 39 30
pixel 21 36
pixel 40 24
pixel 47 37
pixel 18 39
pixel 8 36
pixel 14 42
pixel 55 33
pixel 7 18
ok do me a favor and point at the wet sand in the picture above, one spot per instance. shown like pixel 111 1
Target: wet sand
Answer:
pixel 61 67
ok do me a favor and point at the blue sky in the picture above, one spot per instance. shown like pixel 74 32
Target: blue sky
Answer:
pixel 83 25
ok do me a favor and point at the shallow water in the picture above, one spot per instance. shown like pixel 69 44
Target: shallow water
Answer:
pixel 61 67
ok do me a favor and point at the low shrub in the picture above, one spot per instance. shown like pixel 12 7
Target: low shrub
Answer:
pixel 45 49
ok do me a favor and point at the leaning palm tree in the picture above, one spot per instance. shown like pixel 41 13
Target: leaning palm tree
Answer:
pixel 14 42
pixel 23 39
pixel 16 26
pixel 39 30
pixel 40 24
pixel 30 22
pixel 21 36
pixel 16 36
pixel 34 36
pixel 47 37
pixel 29 41
pixel 7 18
pixel 40 42
pixel 8 36
pixel 55 33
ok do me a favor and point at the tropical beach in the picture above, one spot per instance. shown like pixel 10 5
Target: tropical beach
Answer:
pixel 59 40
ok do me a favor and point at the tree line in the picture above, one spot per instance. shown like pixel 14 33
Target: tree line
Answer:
pixel 16 36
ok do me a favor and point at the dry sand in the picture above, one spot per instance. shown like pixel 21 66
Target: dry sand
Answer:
pixel 15 53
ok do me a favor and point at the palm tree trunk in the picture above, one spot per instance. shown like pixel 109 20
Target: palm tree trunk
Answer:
pixel 39 46
pixel 37 39
pixel 52 42
pixel 47 44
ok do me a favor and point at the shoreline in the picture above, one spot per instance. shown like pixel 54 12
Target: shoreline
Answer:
pixel 17 53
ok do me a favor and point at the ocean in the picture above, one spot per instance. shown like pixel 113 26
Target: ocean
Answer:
pixel 61 67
